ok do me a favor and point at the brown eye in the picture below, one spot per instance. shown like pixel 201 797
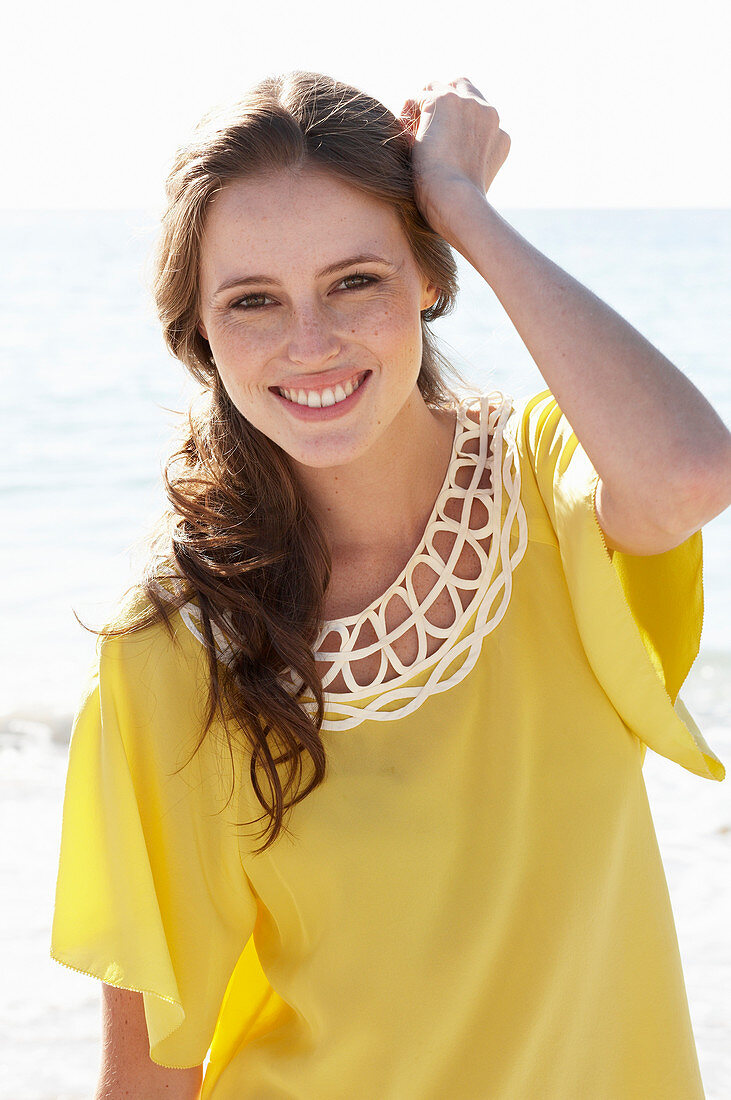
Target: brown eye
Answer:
pixel 359 275
pixel 251 301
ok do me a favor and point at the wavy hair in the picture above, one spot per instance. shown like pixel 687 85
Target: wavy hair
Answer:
pixel 238 537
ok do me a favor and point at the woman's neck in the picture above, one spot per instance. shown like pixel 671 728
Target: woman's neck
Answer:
pixel 378 505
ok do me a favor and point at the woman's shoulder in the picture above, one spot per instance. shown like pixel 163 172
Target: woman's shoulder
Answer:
pixel 152 683
pixel 149 648
pixel 529 424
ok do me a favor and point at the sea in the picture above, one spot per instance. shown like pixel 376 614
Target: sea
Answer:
pixel 90 401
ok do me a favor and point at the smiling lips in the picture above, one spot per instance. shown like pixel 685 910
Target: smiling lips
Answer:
pixel 317 399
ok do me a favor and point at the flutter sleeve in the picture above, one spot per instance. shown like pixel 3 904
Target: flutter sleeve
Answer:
pixel 639 617
pixel 151 894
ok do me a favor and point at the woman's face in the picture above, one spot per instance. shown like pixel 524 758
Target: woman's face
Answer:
pixel 310 298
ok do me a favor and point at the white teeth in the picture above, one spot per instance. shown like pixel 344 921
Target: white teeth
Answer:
pixel 316 399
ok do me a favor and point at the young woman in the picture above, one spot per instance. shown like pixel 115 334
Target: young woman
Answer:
pixel 426 641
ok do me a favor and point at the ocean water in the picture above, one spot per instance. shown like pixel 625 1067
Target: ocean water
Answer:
pixel 89 395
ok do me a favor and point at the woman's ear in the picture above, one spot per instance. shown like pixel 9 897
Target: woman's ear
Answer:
pixel 202 330
pixel 430 296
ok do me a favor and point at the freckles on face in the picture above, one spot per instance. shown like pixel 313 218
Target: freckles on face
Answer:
pixel 304 279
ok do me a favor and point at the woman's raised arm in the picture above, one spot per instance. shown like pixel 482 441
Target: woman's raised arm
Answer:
pixel 662 452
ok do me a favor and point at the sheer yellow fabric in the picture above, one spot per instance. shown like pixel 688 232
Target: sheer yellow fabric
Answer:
pixel 472 904
pixel 640 618
pixel 151 894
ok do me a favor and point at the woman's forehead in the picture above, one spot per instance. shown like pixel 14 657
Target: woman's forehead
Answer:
pixel 282 188
pixel 285 218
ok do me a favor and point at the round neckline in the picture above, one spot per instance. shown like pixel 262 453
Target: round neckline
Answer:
pixel 330 625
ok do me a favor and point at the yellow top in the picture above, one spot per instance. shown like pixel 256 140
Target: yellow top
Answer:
pixel 473 903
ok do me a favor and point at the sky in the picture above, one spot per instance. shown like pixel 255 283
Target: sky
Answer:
pixel 621 104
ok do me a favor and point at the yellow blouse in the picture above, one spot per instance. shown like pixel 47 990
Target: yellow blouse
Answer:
pixel 472 904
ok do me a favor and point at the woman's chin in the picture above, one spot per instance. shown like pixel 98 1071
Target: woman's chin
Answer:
pixel 327 456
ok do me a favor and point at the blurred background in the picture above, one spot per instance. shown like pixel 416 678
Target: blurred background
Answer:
pixel 619 170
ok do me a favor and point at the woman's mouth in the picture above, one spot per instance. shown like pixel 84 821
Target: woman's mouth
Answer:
pixel 321 399
pixel 325 402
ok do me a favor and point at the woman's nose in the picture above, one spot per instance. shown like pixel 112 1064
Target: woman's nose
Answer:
pixel 312 337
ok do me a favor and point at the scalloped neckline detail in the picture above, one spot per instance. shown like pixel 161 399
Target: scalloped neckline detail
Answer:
pixel 386 699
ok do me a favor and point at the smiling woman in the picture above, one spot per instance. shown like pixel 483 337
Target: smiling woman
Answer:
pixel 308 325
pixel 272 196
pixel 390 615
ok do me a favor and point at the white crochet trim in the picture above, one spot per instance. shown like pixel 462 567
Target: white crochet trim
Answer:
pixel 396 696
pixel 190 613
pixel 388 699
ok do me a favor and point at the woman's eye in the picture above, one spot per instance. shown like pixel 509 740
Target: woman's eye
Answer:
pixel 258 301
pixel 358 275
pixel 246 303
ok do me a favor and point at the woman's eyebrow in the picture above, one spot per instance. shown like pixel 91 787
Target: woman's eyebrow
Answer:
pixel 264 280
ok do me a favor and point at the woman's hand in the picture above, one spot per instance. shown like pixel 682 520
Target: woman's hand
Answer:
pixel 458 149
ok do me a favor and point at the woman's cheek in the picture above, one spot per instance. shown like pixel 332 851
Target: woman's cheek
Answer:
pixel 386 321
pixel 245 346
pixel 238 386
pixel 399 329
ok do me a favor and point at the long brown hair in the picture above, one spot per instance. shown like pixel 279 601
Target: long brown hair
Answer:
pixel 238 535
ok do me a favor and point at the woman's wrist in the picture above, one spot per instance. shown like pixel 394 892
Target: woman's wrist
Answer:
pixel 469 223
